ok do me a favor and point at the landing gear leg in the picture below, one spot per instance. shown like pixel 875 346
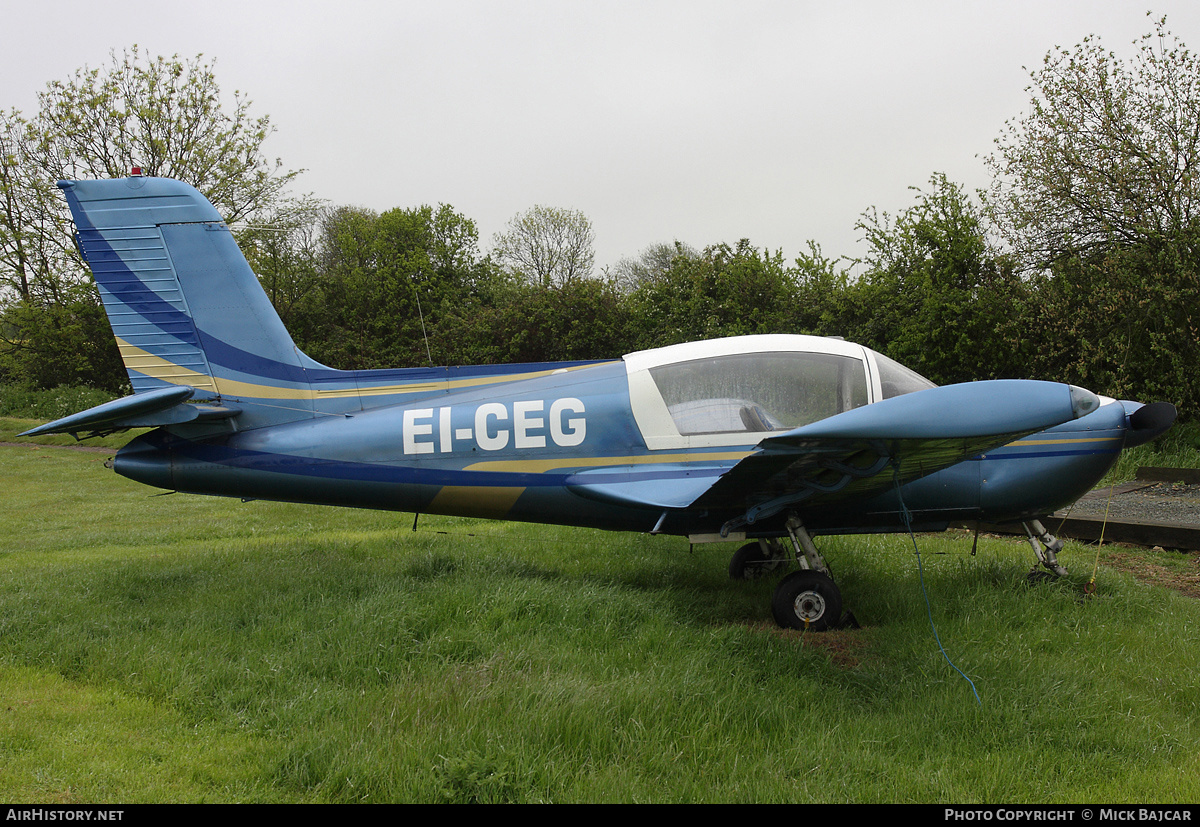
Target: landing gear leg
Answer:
pixel 807 556
pixel 808 598
pixel 1046 546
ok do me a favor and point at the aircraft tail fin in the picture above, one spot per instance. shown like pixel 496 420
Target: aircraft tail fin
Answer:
pixel 188 312
pixel 183 303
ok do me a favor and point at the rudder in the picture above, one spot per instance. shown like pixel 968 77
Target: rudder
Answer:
pixel 184 305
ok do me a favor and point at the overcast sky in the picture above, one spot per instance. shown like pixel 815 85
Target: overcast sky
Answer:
pixel 699 121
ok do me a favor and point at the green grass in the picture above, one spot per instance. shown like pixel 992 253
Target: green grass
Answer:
pixel 180 648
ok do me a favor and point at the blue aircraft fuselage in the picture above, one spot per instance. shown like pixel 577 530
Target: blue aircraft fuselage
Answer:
pixel 541 450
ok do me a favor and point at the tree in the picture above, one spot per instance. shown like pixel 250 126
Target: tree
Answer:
pixel 547 245
pixel 1108 154
pixel 824 289
pixel 1097 190
pixel 395 289
pixel 162 114
pixel 934 295
pixel 582 319
pixel 67 342
pixel 1124 321
pixel 34 245
pixel 651 264
pixel 723 291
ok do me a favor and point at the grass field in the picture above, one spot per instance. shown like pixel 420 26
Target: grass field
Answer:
pixel 179 648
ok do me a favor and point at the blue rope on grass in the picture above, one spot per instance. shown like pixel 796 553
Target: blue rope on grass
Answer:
pixel 907 518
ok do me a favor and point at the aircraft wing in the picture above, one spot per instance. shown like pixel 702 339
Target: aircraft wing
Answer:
pixel 863 452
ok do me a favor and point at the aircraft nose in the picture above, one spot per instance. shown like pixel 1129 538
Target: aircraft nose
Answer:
pixel 1083 401
pixel 1145 422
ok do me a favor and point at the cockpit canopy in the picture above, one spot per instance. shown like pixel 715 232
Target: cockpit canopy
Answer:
pixel 759 391
pixel 734 391
pixel 895 379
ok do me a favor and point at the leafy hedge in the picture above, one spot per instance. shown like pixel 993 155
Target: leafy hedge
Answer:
pixel 48 404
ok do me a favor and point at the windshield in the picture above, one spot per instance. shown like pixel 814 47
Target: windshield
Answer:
pixel 897 380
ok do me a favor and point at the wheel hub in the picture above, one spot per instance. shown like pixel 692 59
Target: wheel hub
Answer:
pixel 810 606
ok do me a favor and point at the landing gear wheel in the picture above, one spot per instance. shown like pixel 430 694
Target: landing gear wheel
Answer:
pixel 807 600
pixel 751 562
pixel 1037 576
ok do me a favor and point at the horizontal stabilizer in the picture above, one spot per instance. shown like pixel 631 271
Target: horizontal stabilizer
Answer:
pixel 164 406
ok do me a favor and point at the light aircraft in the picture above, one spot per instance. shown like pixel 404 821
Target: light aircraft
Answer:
pixel 767 440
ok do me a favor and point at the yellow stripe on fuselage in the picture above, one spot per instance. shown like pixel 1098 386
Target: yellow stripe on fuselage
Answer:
pixel 156 367
pixel 475 501
pixel 1074 441
pixel 540 466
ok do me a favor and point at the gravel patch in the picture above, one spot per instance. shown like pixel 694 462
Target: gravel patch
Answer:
pixel 1160 502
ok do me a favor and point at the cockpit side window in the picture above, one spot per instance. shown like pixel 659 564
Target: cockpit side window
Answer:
pixel 897 380
pixel 759 392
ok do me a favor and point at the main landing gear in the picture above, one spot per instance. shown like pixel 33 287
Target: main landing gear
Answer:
pixel 806 599
pixel 756 560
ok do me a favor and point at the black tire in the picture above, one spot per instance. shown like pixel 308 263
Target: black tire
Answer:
pixel 750 562
pixel 807 600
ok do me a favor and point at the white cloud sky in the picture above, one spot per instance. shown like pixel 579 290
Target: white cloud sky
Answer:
pixel 777 121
